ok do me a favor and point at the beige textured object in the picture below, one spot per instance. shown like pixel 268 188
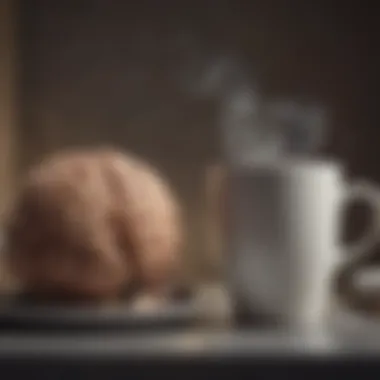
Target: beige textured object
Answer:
pixel 214 304
pixel 88 223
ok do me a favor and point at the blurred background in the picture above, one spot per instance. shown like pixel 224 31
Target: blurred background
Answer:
pixel 123 73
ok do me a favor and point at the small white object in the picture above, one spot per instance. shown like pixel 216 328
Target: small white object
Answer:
pixel 213 303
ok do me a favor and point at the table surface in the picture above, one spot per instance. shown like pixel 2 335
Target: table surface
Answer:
pixel 346 336
pixel 349 347
pixel 190 344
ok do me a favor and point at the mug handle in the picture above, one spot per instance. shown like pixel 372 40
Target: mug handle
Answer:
pixel 362 248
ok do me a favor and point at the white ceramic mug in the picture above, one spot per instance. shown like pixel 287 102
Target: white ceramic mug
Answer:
pixel 284 231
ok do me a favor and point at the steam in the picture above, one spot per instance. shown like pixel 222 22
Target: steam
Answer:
pixel 245 133
pixel 253 128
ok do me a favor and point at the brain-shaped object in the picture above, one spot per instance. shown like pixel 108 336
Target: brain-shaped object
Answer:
pixel 90 223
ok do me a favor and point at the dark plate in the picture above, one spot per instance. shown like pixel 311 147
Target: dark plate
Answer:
pixel 24 313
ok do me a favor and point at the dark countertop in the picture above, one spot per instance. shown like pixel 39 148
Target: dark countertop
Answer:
pixel 181 345
pixel 116 355
pixel 348 345
pixel 197 343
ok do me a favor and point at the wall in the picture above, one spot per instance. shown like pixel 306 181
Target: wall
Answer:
pixel 100 71
pixel 7 102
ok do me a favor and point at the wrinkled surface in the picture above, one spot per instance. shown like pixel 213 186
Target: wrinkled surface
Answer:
pixel 89 223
